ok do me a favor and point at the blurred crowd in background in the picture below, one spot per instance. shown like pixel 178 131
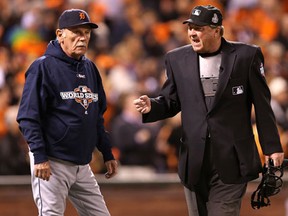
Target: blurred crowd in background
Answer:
pixel 129 48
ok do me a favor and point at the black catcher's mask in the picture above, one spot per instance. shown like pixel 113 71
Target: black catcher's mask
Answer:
pixel 270 184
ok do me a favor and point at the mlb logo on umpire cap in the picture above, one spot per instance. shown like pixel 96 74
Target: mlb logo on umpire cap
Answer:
pixel 196 12
pixel 205 15
pixel 75 17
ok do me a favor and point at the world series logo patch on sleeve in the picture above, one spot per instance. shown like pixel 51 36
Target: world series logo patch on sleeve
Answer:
pixel 262 69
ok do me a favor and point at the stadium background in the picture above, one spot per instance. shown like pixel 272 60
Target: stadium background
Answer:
pixel 128 49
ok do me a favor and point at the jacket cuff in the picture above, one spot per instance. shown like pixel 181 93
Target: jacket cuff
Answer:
pixel 39 158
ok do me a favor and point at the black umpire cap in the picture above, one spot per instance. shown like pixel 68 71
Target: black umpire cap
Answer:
pixel 205 15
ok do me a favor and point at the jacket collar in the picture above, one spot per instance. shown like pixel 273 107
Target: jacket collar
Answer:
pixel 226 68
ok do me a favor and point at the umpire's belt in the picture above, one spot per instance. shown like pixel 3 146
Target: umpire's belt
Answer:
pixel 209 86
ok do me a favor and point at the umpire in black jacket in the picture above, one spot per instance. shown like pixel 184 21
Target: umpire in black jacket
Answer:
pixel 215 83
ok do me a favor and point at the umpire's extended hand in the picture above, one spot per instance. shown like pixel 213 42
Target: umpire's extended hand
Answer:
pixel 143 104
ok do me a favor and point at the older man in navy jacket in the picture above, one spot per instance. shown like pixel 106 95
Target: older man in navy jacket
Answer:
pixel 61 117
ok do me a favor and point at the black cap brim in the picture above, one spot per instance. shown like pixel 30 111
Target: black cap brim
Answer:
pixel 195 22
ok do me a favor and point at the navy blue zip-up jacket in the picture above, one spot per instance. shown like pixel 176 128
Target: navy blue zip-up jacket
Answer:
pixel 62 107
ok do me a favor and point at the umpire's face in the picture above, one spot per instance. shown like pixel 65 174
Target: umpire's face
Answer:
pixel 204 39
pixel 74 41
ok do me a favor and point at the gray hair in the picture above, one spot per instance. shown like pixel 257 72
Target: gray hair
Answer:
pixel 221 29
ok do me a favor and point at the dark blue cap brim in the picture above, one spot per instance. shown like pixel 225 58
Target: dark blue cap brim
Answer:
pixel 92 25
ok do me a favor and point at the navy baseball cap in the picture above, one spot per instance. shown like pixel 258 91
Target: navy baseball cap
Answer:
pixel 205 15
pixel 75 17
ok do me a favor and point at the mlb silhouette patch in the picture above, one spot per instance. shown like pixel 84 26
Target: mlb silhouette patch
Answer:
pixel 237 90
pixel 196 12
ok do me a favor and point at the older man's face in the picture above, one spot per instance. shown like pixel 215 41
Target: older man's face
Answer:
pixel 74 41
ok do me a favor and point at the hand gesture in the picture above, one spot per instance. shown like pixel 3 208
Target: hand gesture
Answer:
pixel 143 104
